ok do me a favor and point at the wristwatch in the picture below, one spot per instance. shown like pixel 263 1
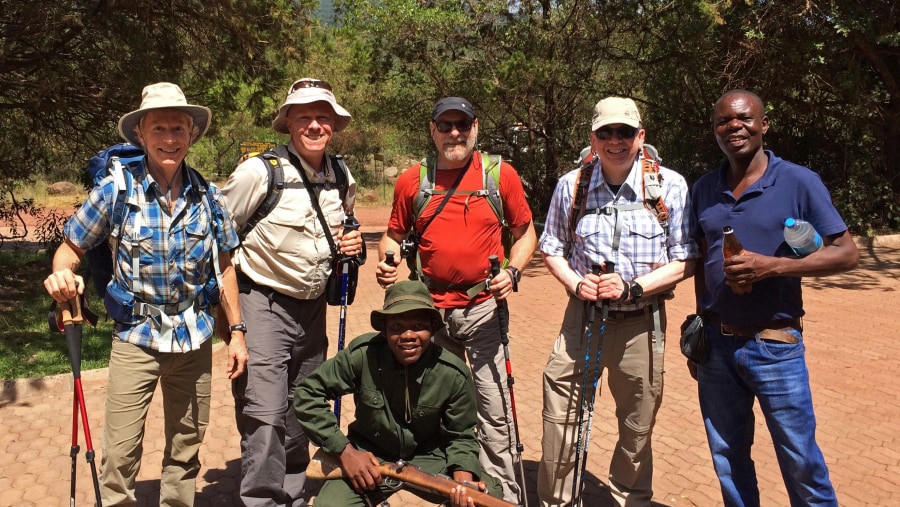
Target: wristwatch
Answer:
pixel 240 326
pixel 515 275
pixel 636 291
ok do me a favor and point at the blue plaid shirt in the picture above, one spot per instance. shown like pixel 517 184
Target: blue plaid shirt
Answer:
pixel 175 251
pixel 643 244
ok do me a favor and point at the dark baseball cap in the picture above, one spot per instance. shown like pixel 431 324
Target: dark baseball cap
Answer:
pixel 452 104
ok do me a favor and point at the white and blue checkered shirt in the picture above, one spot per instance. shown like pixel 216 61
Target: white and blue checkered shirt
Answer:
pixel 643 243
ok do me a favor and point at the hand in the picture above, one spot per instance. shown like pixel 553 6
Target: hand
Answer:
pixel 742 270
pixel 350 243
pixel 64 285
pixel 386 274
pixel 611 286
pixel 360 468
pixel 501 286
pixel 588 288
pixel 237 355
pixel 460 494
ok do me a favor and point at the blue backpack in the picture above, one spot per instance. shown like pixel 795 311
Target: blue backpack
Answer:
pixel 100 259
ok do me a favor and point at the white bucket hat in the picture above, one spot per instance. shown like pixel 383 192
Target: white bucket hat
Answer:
pixel 163 96
pixel 307 91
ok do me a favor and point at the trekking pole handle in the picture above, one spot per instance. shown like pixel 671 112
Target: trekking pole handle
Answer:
pixel 389 258
pixel 608 267
pixel 495 265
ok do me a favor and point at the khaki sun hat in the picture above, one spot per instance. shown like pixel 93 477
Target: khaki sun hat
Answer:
pixel 406 296
pixel 307 91
pixel 163 96
pixel 613 110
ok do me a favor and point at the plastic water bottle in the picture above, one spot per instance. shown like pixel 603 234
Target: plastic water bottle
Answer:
pixel 801 236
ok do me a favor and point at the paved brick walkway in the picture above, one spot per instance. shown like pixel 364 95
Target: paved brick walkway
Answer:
pixel 852 347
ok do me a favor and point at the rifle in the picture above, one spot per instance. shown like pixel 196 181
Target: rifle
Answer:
pixel 322 466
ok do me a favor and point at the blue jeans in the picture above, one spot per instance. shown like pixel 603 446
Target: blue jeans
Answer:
pixel 739 370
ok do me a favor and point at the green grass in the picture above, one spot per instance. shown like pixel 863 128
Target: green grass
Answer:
pixel 27 346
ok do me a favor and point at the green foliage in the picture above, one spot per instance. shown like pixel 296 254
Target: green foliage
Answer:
pixel 28 348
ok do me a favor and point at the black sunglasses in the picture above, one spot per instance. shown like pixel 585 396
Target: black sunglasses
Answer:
pixel 310 83
pixel 446 126
pixel 624 133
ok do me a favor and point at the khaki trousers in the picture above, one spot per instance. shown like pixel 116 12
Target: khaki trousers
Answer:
pixel 635 378
pixel 185 381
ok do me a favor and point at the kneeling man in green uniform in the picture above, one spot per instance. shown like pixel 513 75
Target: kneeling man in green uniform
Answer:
pixel 414 402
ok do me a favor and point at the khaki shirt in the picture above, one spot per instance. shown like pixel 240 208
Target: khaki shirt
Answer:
pixel 287 250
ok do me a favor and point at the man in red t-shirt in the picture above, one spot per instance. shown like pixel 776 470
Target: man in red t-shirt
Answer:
pixel 453 249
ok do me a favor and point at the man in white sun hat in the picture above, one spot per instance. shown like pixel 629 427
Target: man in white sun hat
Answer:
pixel 283 263
pixel 162 310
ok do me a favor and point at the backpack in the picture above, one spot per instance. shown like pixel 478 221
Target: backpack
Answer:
pixel 651 183
pixel 490 190
pixel 99 259
pixel 119 161
pixel 276 187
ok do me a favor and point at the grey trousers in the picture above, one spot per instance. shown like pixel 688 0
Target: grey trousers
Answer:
pixel 286 341
pixel 473 333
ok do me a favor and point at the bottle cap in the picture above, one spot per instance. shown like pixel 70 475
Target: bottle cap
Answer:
pixel 790 222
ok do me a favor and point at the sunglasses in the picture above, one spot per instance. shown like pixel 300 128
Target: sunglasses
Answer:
pixel 624 133
pixel 310 83
pixel 447 126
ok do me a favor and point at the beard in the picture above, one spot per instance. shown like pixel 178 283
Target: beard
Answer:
pixel 459 152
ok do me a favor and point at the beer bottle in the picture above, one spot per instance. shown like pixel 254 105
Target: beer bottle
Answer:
pixel 731 246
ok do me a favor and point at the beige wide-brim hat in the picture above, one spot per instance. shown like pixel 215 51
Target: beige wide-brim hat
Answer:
pixel 163 96
pixel 308 95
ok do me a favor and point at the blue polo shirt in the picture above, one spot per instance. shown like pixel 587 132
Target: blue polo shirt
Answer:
pixel 784 190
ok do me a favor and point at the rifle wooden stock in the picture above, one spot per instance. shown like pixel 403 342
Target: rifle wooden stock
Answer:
pixel 323 466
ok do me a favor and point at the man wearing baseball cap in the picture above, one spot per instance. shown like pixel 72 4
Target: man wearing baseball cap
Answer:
pixel 414 402
pixel 163 316
pixel 651 252
pixel 455 231
pixel 283 264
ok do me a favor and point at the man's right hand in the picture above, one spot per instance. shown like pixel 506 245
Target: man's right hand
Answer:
pixel 360 468
pixel 386 274
pixel 63 285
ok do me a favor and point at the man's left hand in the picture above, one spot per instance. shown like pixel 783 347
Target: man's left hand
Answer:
pixel 501 286
pixel 460 495
pixel 350 244
pixel 237 356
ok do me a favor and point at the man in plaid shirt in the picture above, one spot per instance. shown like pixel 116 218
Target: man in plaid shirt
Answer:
pixel 651 254
pixel 160 296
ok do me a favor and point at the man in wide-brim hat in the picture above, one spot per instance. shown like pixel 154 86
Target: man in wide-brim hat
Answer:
pixel 162 302
pixel 284 262
pixel 414 401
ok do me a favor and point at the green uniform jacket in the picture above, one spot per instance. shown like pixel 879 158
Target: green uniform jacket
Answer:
pixel 441 399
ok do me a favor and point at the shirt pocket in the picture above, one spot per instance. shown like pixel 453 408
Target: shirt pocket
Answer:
pixel 284 227
pixel 198 243
pixel 371 405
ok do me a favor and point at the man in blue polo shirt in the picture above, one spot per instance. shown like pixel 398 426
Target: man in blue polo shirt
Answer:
pixel 756 340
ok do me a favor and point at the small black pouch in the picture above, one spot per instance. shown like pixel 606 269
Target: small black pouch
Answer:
pixel 694 345
pixel 333 292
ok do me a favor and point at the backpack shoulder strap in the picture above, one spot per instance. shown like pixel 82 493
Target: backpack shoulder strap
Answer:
pixel 341 177
pixel 651 181
pixel 579 196
pixel 274 189
pixel 426 185
pixel 491 184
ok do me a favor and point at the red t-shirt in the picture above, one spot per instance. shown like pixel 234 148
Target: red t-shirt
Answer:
pixel 456 246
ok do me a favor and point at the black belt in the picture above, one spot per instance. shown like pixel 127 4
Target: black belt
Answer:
pixel 620 315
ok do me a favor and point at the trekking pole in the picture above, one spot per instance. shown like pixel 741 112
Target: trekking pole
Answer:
pixel 609 267
pixel 503 317
pixel 350 224
pixel 72 319
pixel 588 331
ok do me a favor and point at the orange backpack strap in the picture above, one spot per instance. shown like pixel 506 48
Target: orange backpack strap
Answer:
pixel 651 181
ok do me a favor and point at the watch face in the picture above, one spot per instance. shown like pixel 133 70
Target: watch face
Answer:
pixel 636 291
